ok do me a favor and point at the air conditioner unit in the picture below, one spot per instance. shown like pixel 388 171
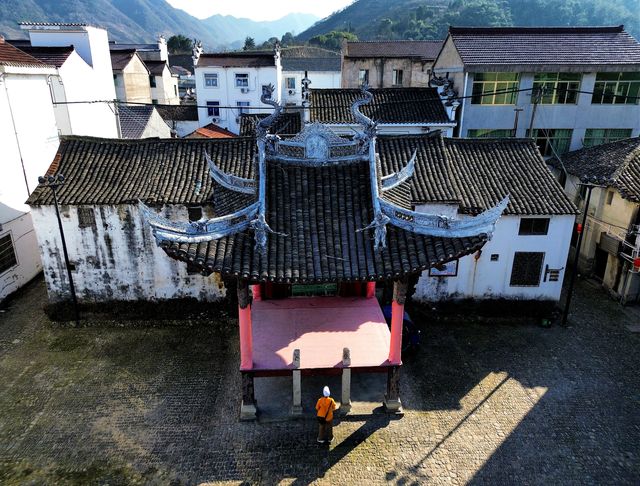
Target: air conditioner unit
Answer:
pixel 292 91
pixel 244 90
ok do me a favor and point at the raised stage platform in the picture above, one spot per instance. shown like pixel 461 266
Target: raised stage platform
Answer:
pixel 320 327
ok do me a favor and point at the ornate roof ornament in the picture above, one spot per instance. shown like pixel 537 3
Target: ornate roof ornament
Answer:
pixel 317 146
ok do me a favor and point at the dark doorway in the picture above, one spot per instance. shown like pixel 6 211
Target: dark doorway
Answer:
pixel 600 265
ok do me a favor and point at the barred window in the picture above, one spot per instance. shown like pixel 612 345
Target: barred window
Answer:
pixel 597 136
pixel 86 218
pixel 557 88
pixel 552 140
pixel 7 253
pixel 495 88
pixel 527 269
pixel 616 88
pixel 489 133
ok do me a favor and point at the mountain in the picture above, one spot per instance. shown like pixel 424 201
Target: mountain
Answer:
pixel 234 30
pixel 144 20
pixel 429 19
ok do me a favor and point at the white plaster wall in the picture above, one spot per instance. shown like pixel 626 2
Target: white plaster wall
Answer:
pixel 81 82
pixel 483 279
pixel 578 116
pixel 116 260
pixel 37 140
pixel 319 80
pixel 227 93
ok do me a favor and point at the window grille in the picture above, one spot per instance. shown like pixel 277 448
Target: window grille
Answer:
pixel 527 269
pixel 7 253
pixel 86 217
pixel 495 88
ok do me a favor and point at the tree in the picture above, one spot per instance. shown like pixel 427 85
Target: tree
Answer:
pixel 179 44
pixel 332 40
pixel 249 44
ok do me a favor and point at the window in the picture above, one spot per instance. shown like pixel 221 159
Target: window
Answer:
pixel 195 213
pixel 527 269
pixel 494 88
pixel 211 80
pixel 597 136
pixel 7 253
pixel 242 107
pixel 534 226
pixel 152 81
pixel 556 88
pixel 397 77
pixel 363 77
pixel 552 139
pixel 291 83
pixel 213 108
pixel 616 88
pixel 86 218
pixel 609 198
pixel 242 80
pixel 488 133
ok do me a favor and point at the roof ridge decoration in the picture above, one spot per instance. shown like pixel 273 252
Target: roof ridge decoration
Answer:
pixel 317 146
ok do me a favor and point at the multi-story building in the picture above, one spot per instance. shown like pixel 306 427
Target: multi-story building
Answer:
pixel 388 64
pixel 566 87
pixel 29 140
pixel 610 249
pixel 320 66
pixel 80 55
pixel 163 82
pixel 130 76
pixel 230 84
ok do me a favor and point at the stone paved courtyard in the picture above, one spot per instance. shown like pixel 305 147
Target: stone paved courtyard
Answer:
pixel 127 403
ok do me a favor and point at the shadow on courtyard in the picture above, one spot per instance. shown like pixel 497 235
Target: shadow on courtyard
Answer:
pixel 486 403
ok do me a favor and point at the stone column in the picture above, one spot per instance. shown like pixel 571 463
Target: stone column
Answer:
pixel 244 321
pixel 397 317
pixel 248 408
pixel 371 290
pixel 296 409
pixel 392 402
pixel 345 403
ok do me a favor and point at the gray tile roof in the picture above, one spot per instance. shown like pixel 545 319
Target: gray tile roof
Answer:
pixel 310 64
pixel 286 124
pixel 616 164
pixel 389 105
pixel 319 208
pixel 426 50
pixel 134 119
pixel 238 59
pixel 531 46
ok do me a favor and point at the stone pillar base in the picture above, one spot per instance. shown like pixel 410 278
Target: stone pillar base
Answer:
pixel 248 412
pixel 392 405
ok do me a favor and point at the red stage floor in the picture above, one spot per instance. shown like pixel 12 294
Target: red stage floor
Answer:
pixel 320 327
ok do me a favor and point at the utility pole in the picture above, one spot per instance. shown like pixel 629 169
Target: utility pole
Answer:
pixel 53 182
pixel 515 122
pixel 574 270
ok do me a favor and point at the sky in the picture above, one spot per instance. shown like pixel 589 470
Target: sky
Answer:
pixel 258 9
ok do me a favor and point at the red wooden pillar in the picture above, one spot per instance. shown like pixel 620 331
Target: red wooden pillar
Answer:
pixel 397 317
pixel 256 292
pixel 371 290
pixel 244 320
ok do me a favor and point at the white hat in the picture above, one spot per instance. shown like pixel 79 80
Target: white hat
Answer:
pixel 326 392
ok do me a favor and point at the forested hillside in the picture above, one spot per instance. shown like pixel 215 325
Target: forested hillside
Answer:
pixel 429 19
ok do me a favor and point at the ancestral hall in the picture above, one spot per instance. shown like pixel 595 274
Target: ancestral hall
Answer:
pixel 315 209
